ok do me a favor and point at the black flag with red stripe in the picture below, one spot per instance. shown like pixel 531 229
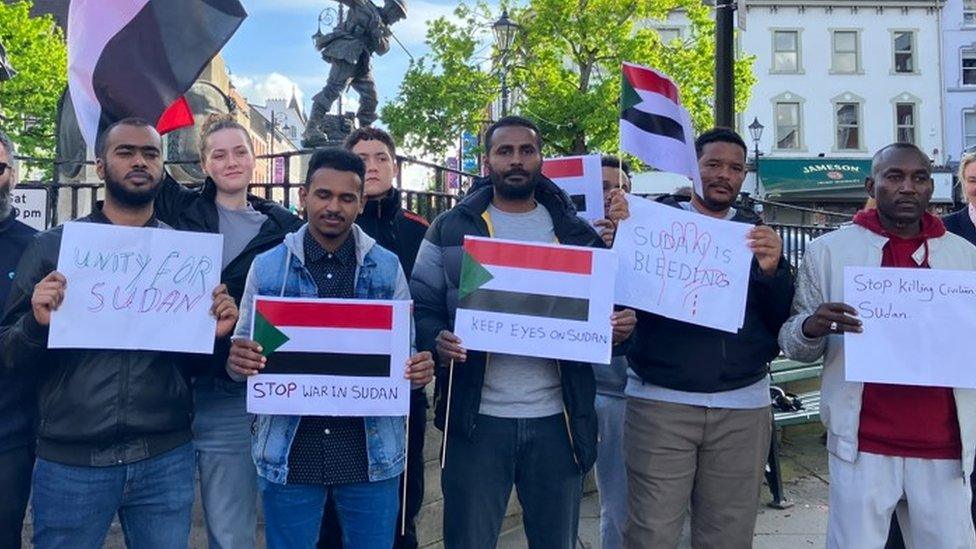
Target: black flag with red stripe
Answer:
pixel 137 57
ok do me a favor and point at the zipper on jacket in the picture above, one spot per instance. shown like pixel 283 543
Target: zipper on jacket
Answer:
pixel 123 398
pixel 569 430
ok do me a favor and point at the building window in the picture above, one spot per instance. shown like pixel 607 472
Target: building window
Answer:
pixel 848 124
pixel 669 34
pixel 969 12
pixel 904 46
pixel 845 58
pixel 969 129
pixel 788 126
pixel 969 68
pixel 786 51
pixel 905 122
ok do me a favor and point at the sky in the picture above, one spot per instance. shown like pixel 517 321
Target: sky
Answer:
pixel 272 51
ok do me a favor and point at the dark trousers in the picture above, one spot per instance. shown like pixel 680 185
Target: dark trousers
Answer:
pixel 331 533
pixel 534 456
pixel 16 466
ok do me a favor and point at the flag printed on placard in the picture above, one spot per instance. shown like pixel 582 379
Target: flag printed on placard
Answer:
pixel 654 126
pixel 331 350
pixel 536 299
pixel 136 58
pixel 582 179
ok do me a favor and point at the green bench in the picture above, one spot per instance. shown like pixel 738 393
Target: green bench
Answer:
pixel 782 371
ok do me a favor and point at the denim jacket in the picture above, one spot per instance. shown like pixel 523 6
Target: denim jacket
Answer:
pixel 281 272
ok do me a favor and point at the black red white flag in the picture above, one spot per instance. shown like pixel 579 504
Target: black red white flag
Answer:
pixel 137 57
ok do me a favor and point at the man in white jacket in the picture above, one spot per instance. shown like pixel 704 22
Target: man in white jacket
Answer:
pixel 887 443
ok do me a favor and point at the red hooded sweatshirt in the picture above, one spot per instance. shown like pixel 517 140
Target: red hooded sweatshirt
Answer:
pixel 902 420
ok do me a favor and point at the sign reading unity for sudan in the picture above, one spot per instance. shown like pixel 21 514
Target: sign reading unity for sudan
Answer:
pixel 331 357
pixel 582 179
pixel 136 288
pixel 683 265
pixel 541 300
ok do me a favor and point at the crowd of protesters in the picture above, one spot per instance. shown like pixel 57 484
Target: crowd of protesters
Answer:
pixel 678 423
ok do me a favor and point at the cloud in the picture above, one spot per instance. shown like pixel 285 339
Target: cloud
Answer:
pixel 259 88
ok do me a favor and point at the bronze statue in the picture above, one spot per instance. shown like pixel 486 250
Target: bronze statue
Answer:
pixel 364 30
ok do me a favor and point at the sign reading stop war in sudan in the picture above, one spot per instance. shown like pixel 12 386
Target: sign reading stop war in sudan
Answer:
pixel 683 265
pixel 136 288
pixel 331 357
pixel 541 300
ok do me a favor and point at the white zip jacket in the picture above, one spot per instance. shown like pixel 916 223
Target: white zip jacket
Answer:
pixel 821 280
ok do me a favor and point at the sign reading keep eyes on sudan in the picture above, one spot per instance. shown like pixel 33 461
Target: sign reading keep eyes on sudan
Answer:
pixel 532 299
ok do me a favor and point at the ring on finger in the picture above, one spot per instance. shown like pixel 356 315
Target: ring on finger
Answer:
pixel 833 326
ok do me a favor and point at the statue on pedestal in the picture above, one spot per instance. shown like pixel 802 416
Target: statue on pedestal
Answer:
pixel 363 31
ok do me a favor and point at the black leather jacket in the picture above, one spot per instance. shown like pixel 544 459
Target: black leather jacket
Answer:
pixel 96 407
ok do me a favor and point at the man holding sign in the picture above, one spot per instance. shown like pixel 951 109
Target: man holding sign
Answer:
pixel 508 420
pixel 303 461
pixel 114 435
pixel 889 444
pixel 698 419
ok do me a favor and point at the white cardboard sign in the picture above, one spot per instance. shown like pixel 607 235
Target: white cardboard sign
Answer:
pixel 582 179
pixel 136 288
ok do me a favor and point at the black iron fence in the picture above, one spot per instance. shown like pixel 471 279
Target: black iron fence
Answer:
pixel 796 238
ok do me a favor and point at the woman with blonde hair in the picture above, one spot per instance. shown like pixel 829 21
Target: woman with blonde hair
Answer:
pixel 250 225
pixel 963 222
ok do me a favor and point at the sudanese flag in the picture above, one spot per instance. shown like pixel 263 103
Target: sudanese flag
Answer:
pixel 138 57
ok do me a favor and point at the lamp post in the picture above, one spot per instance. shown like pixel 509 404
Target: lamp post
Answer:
pixel 504 30
pixel 756 131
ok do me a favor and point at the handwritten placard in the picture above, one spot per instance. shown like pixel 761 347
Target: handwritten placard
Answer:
pixel 136 288
pixel 683 265
pixel 916 323
pixel 331 357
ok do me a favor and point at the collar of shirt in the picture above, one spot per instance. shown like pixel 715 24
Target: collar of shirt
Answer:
pixel 345 255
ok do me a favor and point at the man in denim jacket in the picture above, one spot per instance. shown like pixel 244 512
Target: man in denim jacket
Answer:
pixel 304 461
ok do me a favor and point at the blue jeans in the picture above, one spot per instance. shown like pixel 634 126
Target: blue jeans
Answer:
pixel 611 470
pixel 228 480
pixel 535 456
pixel 73 506
pixel 367 513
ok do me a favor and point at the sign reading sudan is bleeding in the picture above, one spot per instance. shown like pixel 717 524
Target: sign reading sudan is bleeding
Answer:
pixel 532 299
pixel 334 357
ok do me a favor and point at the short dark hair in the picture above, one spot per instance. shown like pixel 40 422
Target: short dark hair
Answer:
pixel 512 121
pixel 900 146
pixel 611 161
pixel 337 159
pixel 101 142
pixel 370 133
pixel 720 135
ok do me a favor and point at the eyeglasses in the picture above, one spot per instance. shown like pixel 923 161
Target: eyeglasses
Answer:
pixel 3 167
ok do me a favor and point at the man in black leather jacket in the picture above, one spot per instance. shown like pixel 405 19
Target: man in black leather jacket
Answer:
pixel 114 426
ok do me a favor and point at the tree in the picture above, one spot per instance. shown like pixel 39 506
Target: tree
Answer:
pixel 565 71
pixel 36 50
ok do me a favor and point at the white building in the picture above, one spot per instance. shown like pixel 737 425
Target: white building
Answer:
pixel 959 53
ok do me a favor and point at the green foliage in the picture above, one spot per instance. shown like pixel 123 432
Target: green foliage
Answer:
pixel 564 70
pixel 36 50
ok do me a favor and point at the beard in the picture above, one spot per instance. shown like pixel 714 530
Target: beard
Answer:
pixel 514 191
pixel 133 198
pixel 6 203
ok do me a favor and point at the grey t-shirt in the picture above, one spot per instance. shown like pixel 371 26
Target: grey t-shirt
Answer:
pixel 238 227
pixel 519 386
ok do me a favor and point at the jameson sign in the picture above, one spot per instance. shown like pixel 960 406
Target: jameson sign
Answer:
pixel 792 175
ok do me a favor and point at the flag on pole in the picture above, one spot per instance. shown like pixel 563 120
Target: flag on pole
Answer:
pixel 654 126
pixel 582 179
pixel 336 357
pixel 535 299
pixel 137 57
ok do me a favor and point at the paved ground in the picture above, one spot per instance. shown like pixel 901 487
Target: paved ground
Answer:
pixel 804 463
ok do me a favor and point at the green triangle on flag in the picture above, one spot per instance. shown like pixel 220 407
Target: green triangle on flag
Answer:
pixel 628 96
pixel 473 275
pixel 267 335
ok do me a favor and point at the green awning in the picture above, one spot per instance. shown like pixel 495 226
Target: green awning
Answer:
pixel 786 177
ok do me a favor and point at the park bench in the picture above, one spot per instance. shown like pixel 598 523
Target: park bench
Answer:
pixel 782 371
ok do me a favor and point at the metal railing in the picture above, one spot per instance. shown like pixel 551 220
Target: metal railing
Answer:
pixel 796 238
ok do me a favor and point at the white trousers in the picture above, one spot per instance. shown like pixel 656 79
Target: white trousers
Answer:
pixel 930 496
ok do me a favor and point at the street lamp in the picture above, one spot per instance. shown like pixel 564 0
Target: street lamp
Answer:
pixel 505 30
pixel 756 131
